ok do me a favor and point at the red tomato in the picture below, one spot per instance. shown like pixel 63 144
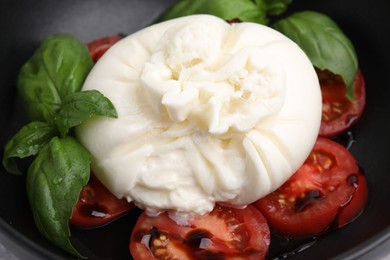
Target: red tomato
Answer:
pixel 338 112
pixel 225 233
pixel 97 206
pixel 98 47
pixel 328 190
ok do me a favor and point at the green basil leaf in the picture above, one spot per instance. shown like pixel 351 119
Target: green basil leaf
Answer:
pixel 26 142
pixel 324 43
pixel 80 106
pixel 244 10
pixel 276 7
pixel 54 181
pixel 57 68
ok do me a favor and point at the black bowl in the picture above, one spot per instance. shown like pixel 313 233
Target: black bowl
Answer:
pixel 25 23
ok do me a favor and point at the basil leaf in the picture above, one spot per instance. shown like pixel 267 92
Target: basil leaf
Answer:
pixel 244 10
pixel 28 141
pixel 324 43
pixel 276 7
pixel 54 182
pixel 80 106
pixel 57 68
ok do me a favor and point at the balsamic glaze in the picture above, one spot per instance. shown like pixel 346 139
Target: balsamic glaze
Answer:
pixel 301 203
pixel 284 248
pixel 347 139
pixel 194 238
pixel 280 247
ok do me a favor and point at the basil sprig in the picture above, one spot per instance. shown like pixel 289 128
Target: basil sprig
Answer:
pixel 27 142
pixel 244 10
pixel 49 85
pixel 324 43
pixel 78 107
pixel 275 7
pixel 317 34
pixel 257 11
pixel 57 68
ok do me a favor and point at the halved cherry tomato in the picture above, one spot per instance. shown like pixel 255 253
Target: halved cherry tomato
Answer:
pixel 327 190
pixel 338 112
pixel 98 47
pixel 97 206
pixel 225 233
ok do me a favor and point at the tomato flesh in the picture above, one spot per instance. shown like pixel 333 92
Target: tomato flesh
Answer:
pixel 98 47
pixel 225 233
pixel 97 206
pixel 327 190
pixel 338 112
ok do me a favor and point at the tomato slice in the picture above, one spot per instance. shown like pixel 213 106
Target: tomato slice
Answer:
pixel 328 190
pixel 338 112
pixel 97 206
pixel 225 233
pixel 98 47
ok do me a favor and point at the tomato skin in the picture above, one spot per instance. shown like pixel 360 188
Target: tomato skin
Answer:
pixel 98 47
pixel 354 207
pixel 97 206
pixel 338 112
pixel 225 233
pixel 328 190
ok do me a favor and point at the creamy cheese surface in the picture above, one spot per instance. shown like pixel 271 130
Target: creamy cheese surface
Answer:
pixel 208 112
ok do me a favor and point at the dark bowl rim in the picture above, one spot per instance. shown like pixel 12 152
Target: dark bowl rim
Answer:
pixel 367 246
pixel 19 245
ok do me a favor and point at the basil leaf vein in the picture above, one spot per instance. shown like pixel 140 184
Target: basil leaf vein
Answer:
pixel 324 43
pixel 244 10
pixel 77 107
pixel 57 68
pixel 28 141
pixel 54 181
pixel 276 7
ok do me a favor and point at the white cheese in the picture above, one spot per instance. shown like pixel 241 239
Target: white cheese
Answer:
pixel 208 112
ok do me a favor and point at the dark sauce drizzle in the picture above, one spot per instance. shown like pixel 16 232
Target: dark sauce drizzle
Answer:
pixel 191 245
pixel 310 196
pixel 353 181
pixel 285 248
pixel 347 139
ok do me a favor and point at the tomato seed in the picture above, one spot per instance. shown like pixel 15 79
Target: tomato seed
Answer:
pixel 336 104
pixel 157 242
pixel 159 252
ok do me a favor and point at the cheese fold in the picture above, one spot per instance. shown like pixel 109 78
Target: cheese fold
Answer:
pixel 208 112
